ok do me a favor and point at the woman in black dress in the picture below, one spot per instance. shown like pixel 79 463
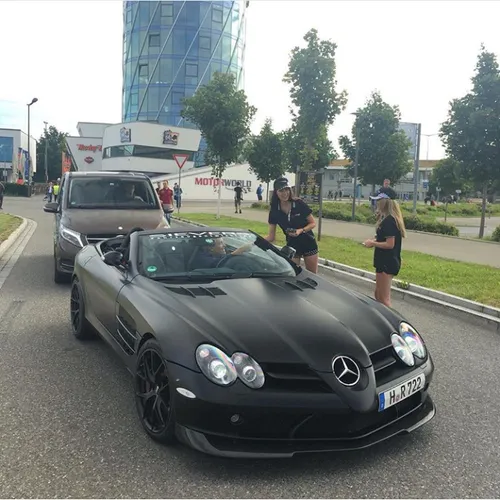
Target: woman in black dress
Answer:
pixel 295 219
pixel 387 243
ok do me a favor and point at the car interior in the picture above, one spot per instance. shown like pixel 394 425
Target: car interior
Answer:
pixel 165 256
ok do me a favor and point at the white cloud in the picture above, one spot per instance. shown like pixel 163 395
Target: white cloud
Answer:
pixel 420 55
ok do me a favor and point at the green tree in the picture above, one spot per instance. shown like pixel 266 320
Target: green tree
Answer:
pixel 383 147
pixel 56 144
pixel 471 134
pixel 448 175
pixel 265 154
pixel 316 103
pixel 223 115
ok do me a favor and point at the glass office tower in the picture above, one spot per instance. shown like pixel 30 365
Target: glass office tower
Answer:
pixel 172 48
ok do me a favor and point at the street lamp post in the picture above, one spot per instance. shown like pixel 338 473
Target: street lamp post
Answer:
pixel 29 144
pixel 356 159
pixel 46 144
pixel 428 137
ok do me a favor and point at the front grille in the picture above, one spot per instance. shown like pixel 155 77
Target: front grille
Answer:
pixel 293 377
pixel 387 366
pixel 353 424
pixel 92 239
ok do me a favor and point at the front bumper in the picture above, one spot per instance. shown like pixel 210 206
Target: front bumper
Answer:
pixel 65 255
pixel 277 425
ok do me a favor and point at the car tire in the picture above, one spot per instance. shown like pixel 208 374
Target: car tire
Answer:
pixel 80 326
pixel 154 396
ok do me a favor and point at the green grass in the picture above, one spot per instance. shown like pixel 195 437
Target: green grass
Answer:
pixel 470 281
pixel 8 224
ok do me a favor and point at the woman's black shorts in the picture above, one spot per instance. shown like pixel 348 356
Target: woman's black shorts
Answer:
pixel 305 245
pixel 388 268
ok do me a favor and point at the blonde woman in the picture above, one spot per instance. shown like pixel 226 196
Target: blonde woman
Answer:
pixel 390 232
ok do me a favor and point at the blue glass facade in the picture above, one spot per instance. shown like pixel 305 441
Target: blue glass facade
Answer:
pixel 172 48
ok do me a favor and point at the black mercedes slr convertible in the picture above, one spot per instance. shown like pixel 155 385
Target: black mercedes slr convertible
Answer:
pixel 238 352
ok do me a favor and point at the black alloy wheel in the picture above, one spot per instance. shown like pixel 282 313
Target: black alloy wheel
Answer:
pixel 153 394
pixel 79 324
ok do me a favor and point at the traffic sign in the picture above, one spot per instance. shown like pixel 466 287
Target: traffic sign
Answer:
pixel 180 159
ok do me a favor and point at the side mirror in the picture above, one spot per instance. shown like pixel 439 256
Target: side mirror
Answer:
pixel 288 252
pixel 51 208
pixel 113 258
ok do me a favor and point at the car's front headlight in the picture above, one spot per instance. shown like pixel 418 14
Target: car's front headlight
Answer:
pixel 413 340
pixel 402 349
pixel 71 236
pixel 215 365
pixel 249 371
pixel 224 370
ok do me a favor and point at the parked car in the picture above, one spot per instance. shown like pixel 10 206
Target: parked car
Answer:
pixel 93 206
pixel 238 352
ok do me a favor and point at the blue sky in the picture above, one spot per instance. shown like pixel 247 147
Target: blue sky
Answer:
pixel 420 55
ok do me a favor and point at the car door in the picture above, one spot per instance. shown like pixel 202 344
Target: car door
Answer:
pixel 106 281
pixel 127 310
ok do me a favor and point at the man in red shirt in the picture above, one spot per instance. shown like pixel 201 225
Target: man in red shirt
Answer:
pixel 166 196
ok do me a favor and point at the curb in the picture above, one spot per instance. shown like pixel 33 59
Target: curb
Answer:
pixel 486 315
pixel 5 245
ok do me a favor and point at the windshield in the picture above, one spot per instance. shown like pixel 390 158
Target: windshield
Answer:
pixel 98 192
pixel 207 255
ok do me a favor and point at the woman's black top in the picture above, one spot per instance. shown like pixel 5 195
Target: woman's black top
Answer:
pixel 388 258
pixel 295 219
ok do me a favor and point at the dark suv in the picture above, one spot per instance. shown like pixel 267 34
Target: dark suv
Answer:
pixel 93 206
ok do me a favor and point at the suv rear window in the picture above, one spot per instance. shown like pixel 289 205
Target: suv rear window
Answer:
pixel 98 192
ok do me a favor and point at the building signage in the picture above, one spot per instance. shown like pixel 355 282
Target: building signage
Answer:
pixel 170 137
pixel 89 147
pixel 227 183
pixel 88 159
pixel 125 135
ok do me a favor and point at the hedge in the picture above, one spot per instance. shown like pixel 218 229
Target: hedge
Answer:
pixel 364 214
pixel 13 189
pixel 496 234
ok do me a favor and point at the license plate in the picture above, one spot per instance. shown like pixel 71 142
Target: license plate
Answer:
pixel 402 391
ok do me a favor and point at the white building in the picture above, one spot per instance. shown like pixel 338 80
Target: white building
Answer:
pixel 14 155
pixel 200 184
pixel 139 146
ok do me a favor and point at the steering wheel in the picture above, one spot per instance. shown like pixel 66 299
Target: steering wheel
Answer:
pixel 243 266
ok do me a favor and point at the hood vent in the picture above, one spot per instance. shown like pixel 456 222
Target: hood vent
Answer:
pixel 196 291
pixel 302 285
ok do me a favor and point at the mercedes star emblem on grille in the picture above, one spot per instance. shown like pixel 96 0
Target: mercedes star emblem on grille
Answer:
pixel 346 370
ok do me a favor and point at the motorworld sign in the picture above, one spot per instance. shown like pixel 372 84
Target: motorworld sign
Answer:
pixel 227 183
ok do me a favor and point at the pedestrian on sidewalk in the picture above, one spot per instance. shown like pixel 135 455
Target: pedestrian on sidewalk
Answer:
pixel 295 219
pixel 238 197
pixel 166 197
pixel 390 232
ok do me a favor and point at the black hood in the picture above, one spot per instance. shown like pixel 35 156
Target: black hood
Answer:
pixel 294 320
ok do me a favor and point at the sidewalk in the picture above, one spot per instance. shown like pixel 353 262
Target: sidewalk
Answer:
pixel 473 251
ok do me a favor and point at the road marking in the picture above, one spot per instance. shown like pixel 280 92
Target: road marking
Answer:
pixel 9 259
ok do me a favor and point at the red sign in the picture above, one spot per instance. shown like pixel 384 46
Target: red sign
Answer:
pixel 180 159
pixel 90 147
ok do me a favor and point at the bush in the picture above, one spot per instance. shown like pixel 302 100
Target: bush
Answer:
pixel 364 214
pixel 496 234
pixel 13 189
pixel 416 223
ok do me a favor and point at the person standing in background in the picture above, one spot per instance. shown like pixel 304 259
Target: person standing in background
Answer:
pixel 259 192
pixel 238 197
pixel 177 195
pixel 166 195
pixel 56 191
pixel 2 191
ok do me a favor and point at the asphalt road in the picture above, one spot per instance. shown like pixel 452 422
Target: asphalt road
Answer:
pixel 68 426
